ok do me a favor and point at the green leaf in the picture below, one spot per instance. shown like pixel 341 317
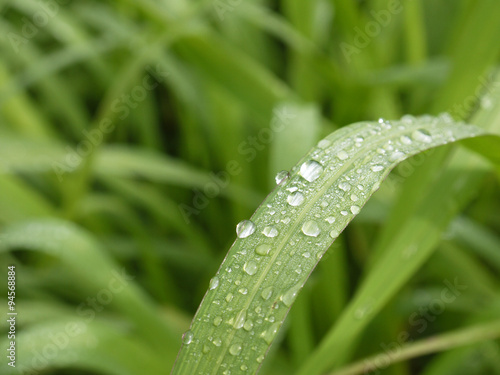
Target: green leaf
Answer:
pixel 276 251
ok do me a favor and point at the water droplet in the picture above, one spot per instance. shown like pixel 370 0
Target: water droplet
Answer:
pixel 422 135
pixel 354 197
pixel 295 199
pixel 324 204
pixel 281 176
pixel 324 143
pixel 344 186
pixel 291 294
pixel 381 120
pixel 306 254
pixel 310 228
pixel 330 219
pixel 361 187
pixel 269 334
pixel 377 168
pixel 187 337
pixel 250 267
pixel 235 349
pixel 243 291
pixel 248 325
pixel 217 321
pixel 229 297
pixel 334 233
pixel 355 210
pixel 267 293
pixel 311 170
pixel 270 231
pixel 397 155
pixel 245 228
pixel 263 249
pixel 239 321
pixel 214 283
pixel 342 155
pixel 292 189
pixel 260 359
pixel 217 342
pixel 206 348
pixel 343 213
pixel 405 140
pixel 243 368
pixel 286 220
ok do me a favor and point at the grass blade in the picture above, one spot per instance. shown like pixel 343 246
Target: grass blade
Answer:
pixel 276 251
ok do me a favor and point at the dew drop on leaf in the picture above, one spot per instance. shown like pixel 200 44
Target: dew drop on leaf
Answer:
pixel 214 283
pixel 248 325
pixel 421 135
pixel 342 155
pixel 217 321
pixel 239 321
pixel 187 337
pixel 377 168
pixel 324 143
pixel 268 335
pixel 250 267
pixel 311 170
pixel 355 210
pixel 334 233
pixel 245 228
pixel 260 359
pixel 270 231
pixel 344 186
pixel 229 297
pixel 281 176
pixel 405 140
pixel 397 155
pixel 290 295
pixel 263 249
pixel 235 349
pixel 310 228
pixel 267 293
pixel 295 199
pixel 330 219
pixel 217 342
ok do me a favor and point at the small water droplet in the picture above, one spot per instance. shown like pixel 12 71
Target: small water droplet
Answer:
pixel 286 220
pixel 330 219
pixel 306 254
pixel 248 325
pixel 361 187
pixel 422 135
pixel 334 233
pixel 355 210
pixel 281 176
pixel 187 337
pixel 408 119
pixel 270 231
pixel 235 349
pixel 311 170
pixel 267 293
pixel 263 249
pixel 229 297
pixel 295 199
pixel 269 334
pixel 214 283
pixel 377 168
pixel 324 143
pixel 239 321
pixel 310 228
pixel 217 321
pixel 324 204
pixel 343 213
pixel 292 189
pixel 405 140
pixel 243 368
pixel 354 197
pixel 243 291
pixel 217 342
pixel 291 294
pixel 342 155
pixel 260 359
pixel 206 349
pixel 250 267
pixel 344 186
pixel 245 228
pixel 397 155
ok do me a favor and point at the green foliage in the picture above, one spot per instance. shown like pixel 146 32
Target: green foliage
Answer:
pixel 134 135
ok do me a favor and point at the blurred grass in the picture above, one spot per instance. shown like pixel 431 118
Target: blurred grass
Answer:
pixel 186 92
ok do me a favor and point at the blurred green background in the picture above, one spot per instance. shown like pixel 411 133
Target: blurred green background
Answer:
pixel 134 135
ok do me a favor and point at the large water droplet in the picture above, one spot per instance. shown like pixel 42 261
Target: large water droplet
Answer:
pixel 311 170
pixel 324 143
pixel 310 228
pixel 214 283
pixel 290 295
pixel 355 210
pixel 263 249
pixel 243 291
pixel 269 334
pixel 295 199
pixel 245 228
pixel 217 342
pixel 354 197
pixel 187 337
pixel 344 186
pixel 229 297
pixel 235 349
pixel 281 176
pixel 342 155
pixel 248 325
pixel 239 321
pixel 270 231
pixel 422 135
pixel 250 267
pixel 267 293
pixel 334 233
pixel 377 168
pixel 397 155
pixel 330 219
pixel 405 140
